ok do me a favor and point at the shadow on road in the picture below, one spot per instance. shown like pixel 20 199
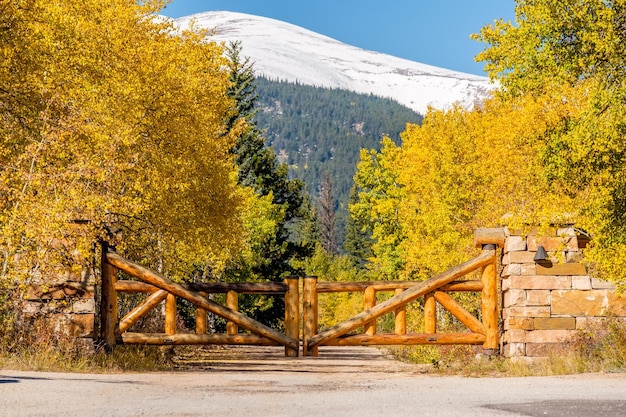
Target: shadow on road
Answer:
pixel 8 381
pixel 562 408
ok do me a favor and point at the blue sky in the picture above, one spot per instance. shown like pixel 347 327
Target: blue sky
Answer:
pixel 431 32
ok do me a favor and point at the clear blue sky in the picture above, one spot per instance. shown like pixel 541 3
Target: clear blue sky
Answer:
pixel 434 32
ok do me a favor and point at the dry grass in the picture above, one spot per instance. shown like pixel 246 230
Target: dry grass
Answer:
pixel 597 349
pixel 40 349
pixel 68 359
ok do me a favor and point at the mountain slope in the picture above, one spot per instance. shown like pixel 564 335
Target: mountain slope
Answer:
pixel 286 52
pixel 319 131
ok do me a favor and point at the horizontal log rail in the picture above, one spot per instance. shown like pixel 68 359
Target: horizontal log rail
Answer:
pixel 266 288
pixel 434 290
pixel 361 286
pixel 162 289
pixel 408 339
pixel 197 339
pixel 241 287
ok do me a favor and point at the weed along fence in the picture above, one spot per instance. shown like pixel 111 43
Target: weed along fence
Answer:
pixel 115 329
pixel 435 291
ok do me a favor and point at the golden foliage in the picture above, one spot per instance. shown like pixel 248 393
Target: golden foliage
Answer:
pixel 458 171
pixel 548 148
pixel 571 54
pixel 111 116
pixel 377 205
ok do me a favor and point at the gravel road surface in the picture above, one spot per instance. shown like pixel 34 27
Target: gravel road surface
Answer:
pixel 359 382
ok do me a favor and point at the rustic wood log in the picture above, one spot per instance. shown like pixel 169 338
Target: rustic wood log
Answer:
pixel 239 287
pixel 232 302
pixel 310 312
pixel 141 310
pixel 463 286
pixel 400 316
pixel 430 313
pixel 408 339
pixel 201 318
pixel 402 299
pixel 209 287
pixel 489 304
pixel 108 302
pixel 292 312
pixel 360 286
pixel 170 314
pixel 369 301
pixel 196 339
pixel 160 281
pixel 459 312
pixel 489 236
pixel 134 286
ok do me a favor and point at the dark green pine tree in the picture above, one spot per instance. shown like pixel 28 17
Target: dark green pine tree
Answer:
pixel 254 160
pixel 358 242
pixel 308 231
pixel 259 169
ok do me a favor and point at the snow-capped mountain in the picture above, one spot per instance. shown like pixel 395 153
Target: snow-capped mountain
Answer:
pixel 286 52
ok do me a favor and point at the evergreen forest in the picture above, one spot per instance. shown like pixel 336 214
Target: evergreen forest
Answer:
pixel 319 131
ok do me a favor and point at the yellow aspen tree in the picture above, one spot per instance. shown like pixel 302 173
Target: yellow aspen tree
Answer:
pixel 573 51
pixel 111 116
pixel 440 172
pixel 464 169
pixel 379 196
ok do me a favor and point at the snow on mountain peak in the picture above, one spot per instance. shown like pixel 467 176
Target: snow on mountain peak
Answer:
pixel 286 52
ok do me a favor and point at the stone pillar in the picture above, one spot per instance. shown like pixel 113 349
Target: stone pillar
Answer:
pixel 65 303
pixel 544 303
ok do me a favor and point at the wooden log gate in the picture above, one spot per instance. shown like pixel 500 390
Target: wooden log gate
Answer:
pixel 434 290
pixel 115 330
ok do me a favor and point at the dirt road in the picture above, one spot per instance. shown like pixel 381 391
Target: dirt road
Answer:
pixel 361 382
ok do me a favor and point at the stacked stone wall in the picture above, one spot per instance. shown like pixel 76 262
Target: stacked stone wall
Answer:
pixel 65 303
pixel 545 303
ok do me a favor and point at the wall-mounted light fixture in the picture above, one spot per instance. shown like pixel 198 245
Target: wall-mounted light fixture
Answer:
pixel 541 255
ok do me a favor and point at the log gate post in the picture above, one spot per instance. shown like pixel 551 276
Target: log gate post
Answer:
pixel 232 302
pixel 201 318
pixel 400 316
pixel 489 239
pixel 170 314
pixel 369 301
pixel 490 303
pixel 430 314
pixel 310 312
pixel 108 301
pixel 292 312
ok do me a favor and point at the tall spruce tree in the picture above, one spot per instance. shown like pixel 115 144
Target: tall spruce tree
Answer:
pixel 358 242
pixel 260 170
